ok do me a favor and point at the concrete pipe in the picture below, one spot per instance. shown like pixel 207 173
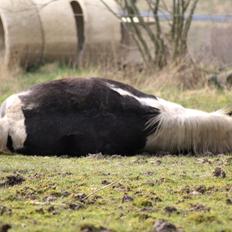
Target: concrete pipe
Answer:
pixel 69 26
pixel 99 30
pixel 32 31
pixel 100 24
pixel 59 30
pixel 20 33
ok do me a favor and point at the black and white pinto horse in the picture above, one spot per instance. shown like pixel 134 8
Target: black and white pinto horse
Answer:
pixel 81 116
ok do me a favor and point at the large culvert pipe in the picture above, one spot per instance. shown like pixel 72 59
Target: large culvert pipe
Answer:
pixel 2 39
pixel 59 30
pixel 69 26
pixel 32 31
pixel 101 26
pixel 20 33
pixel 102 29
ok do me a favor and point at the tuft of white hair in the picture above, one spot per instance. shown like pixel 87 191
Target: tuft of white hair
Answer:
pixel 187 130
pixel 4 128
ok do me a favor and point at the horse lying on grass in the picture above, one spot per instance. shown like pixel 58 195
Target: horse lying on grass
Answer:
pixel 82 116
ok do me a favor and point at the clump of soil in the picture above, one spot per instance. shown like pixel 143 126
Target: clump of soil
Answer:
pixel 201 189
pixel 165 226
pixel 105 182
pixel 80 197
pixel 5 211
pixel 197 190
pixel 199 207
pixel 127 198
pixel 146 203
pixel 158 162
pixel 4 227
pixel 52 210
pixel 12 180
pixel 219 172
pixel 74 206
pixel 92 228
pixel 229 201
pixel 170 210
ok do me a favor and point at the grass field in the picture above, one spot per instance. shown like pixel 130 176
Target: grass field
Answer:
pixel 114 193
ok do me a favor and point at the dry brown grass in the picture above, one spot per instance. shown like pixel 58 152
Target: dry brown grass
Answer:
pixel 184 75
pixel 9 80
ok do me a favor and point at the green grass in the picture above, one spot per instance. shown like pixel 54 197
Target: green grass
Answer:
pixel 42 201
pixel 118 193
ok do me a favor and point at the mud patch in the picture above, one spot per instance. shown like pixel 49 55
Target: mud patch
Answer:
pixel 105 182
pixel 219 172
pixel 92 228
pixel 12 180
pixel 127 198
pixel 4 227
pixel 199 207
pixel 229 201
pixel 80 197
pixel 74 206
pixel 165 226
pixel 53 210
pixel 201 189
pixel 170 210
pixel 197 190
pixel 5 210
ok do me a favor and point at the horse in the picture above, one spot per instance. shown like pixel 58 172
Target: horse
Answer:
pixel 79 116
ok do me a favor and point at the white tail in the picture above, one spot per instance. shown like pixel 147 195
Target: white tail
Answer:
pixel 4 128
pixel 187 130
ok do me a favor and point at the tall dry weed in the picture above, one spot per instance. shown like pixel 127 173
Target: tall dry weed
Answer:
pixel 9 81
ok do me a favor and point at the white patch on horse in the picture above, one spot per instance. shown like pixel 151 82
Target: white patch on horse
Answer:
pixel 122 92
pixel 14 116
pixel 143 101
pixel 3 134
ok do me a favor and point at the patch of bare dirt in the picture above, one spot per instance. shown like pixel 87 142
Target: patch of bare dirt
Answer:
pixel 170 210
pixel 93 228
pixel 229 201
pixel 105 182
pixel 120 187
pixel 75 206
pixel 127 198
pixel 5 210
pixel 199 207
pixel 165 226
pixel 219 172
pixel 12 180
pixel 4 227
pixel 80 197
pixel 197 190
pixel 201 189
pixel 51 209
